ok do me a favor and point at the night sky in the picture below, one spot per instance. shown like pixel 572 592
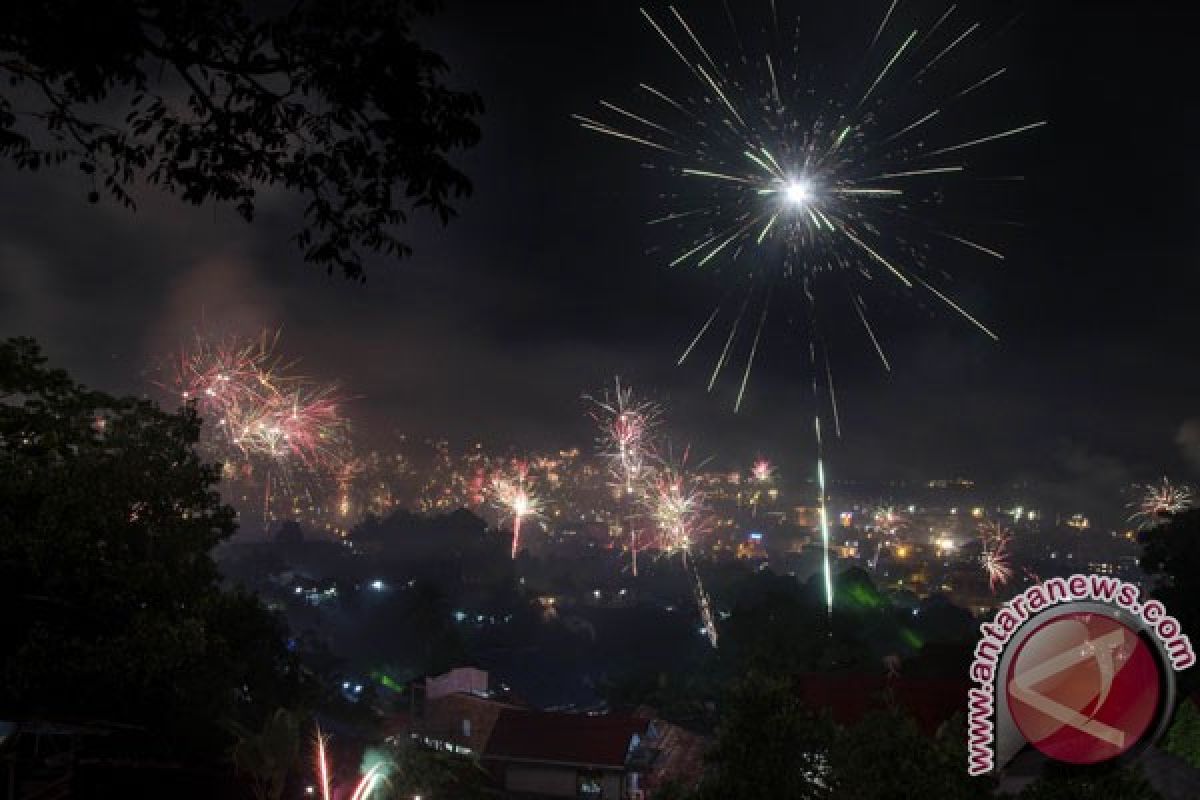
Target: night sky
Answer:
pixel 543 289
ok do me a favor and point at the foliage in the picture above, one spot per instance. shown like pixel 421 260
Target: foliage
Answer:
pixel 682 696
pixel 1171 554
pixel 113 608
pixel 1102 782
pixel 781 627
pixel 269 754
pixel 768 745
pixel 220 99
pixel 1183 737
pixel 419 772
pixel 886 757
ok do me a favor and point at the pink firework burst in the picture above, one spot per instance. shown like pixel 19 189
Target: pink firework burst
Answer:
pixel 995 557
pixel 625 426
pixel 262 419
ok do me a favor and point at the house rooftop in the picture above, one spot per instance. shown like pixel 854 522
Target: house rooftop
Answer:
pixel 545 737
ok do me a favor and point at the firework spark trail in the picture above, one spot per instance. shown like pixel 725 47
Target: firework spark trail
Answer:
pixel 704 604
pixel 733 329
pixel 824 519
pixel 625 427
pixel 994 556
pixel 762 321
pixel 699 335
pixel 974 245
pixel 322 766
pixel 883 24
pixel 822 499
pixel 837 420
pixel 366 785
pixel 512 495
pixel 862 315
pixel 1159 502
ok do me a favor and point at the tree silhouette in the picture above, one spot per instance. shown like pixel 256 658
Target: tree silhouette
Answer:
pixel 1171 555
pixel 884 756
pixel 216 100
pixel 1098 782
pixel 768 744
pixel 113 608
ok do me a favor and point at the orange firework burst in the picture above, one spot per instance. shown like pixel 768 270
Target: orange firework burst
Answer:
pixel 512 494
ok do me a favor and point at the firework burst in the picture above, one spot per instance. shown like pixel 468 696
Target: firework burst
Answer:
pixel 994 557
pixel 775 180
pixel 677 507
pixel 512 494
pixel 762 474
pixel 822 179
pixel 625 424
pixel 1159 502
pixel 263 418
pixel 763 471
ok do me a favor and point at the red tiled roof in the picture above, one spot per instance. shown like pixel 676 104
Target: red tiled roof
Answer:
pixel 549 737
pixel 931 701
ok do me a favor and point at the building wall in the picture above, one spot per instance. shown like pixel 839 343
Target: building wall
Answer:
pixel 444 719
pixel 552 781
pixel 549 781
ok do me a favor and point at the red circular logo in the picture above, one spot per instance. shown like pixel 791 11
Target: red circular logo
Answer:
pixel 1083 688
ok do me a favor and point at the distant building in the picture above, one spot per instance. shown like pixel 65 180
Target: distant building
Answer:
pixel 807 516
